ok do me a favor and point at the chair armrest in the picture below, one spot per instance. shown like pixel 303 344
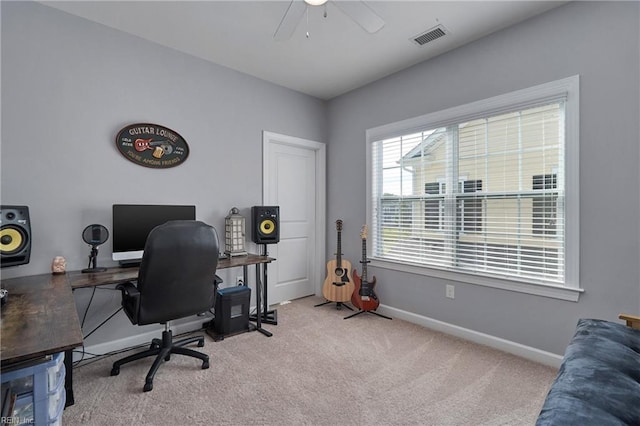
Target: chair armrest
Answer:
pixel 128 289
pixel 633 321
pixel 216 282
pixel 130 300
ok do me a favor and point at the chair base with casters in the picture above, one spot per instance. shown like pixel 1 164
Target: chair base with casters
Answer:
pixel 162 350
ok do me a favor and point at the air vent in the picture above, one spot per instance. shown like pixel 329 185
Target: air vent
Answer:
pixel 429 35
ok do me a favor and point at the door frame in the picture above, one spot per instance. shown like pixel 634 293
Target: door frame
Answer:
pixel 269 138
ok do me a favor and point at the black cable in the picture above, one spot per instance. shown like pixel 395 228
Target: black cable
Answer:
pixel 103 322
pixel 98 357
pixel 84 317
pixel 86 311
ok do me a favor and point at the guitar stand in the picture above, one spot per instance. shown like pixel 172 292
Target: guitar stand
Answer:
pixel 339 305
pixel 367 312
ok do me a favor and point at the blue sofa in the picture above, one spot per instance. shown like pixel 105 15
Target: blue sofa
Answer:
pixel 599 379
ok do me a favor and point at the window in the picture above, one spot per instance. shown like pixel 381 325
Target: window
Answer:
pixel 484 189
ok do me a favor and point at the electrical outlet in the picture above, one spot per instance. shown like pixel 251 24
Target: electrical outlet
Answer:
pixel 239 280
pixel 450 291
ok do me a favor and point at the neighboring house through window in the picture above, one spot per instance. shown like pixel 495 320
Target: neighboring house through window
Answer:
pixel 434 206
pixel 545 206
pixel 469 209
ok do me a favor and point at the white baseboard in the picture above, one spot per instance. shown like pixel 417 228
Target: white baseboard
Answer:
pixel 527 352
pixel 139 339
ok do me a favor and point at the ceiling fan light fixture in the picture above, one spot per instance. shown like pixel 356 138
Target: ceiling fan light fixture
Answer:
pixel 358 11
pixel 315 2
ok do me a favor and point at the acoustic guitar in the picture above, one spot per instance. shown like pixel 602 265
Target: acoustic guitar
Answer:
pixel 363 297
pixel 338 286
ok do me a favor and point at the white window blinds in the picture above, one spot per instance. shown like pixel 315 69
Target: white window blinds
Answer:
pixel 483 196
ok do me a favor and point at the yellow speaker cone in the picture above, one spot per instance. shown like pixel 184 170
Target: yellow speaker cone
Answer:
pixel 10 240
pixel 267 226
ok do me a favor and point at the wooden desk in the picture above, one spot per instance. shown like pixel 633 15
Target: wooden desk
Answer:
pixel 39 318
pixel 117 275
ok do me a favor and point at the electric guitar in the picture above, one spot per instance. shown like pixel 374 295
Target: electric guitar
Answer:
pixel 363 297
pixel 338 286
pixel 144 144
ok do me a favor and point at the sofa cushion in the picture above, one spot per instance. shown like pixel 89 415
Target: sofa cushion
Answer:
pixel 599 380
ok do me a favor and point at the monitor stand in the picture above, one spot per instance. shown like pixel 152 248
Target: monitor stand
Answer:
pixel 132 263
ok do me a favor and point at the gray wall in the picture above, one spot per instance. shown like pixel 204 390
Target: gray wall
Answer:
pixel 69 85
pixel 598 41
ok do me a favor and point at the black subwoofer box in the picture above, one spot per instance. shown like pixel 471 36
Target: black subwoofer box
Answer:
pixel 232 310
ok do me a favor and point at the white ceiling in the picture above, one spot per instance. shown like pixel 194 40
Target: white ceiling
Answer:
pixel 338 56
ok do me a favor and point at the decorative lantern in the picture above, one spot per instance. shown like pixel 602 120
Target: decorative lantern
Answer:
pixel 234 233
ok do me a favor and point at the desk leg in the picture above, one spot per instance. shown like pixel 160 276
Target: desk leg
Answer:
pixel 68 378
pixel 258 303
pixel 244 274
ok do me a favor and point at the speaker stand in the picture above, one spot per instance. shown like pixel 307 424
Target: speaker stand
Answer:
pixel 339 305
pixel 367 312
pixel 267 316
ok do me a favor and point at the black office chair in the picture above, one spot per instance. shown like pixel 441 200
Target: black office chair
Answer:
pixel 177 279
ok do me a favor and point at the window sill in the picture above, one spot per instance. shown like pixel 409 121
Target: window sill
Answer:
pixel 546 290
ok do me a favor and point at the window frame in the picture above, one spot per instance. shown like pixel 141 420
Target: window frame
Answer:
pixel 520 99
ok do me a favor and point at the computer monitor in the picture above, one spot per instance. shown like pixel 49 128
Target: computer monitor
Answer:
pixel 133 222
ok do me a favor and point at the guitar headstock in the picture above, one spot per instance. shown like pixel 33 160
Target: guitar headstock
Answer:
pixel 363 232
pixel 339 224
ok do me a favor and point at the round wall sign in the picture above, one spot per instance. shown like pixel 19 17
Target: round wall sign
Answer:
pixel 151 145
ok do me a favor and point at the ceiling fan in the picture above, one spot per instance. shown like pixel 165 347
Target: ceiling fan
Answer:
pixel 359 11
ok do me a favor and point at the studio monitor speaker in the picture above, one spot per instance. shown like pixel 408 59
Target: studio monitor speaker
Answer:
pixel 15 235
pixel 265 224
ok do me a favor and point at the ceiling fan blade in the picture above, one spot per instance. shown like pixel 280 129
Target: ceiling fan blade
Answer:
pixel 362 14
pixel 290 20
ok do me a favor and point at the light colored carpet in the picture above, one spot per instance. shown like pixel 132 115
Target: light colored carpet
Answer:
pixel 319 369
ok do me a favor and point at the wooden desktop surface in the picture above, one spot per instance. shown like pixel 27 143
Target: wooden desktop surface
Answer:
pixel 119 275
pixel 39 318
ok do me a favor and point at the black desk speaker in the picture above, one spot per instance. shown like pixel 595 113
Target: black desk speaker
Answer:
pixel 15 235
pixel 265 224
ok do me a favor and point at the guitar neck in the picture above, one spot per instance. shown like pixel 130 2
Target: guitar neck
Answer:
pixel 339 250
pixel 364 260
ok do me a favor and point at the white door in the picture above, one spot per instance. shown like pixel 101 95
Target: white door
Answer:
pixel 294 180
